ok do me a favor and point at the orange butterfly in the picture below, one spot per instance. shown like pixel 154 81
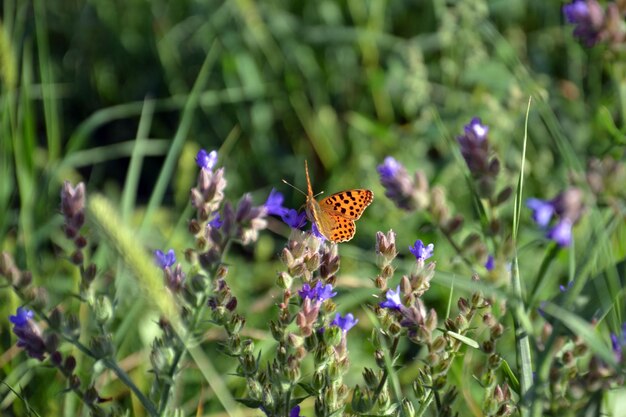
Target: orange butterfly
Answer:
pixel 334 215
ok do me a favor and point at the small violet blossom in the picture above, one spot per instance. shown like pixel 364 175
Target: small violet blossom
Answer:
pixel 165 260
pixel 561 233
pixel 476 130
pixel 206 160
pixel 294 219
pixel 344 323
pixel 420 251
pixel 216 222
pixel 274 203
pixel 490 264
pixel 393 299
pixel 28 334
pixel 542 211
pixel 274 206
pixel 389 168
pixel 316 232
pixel 588 18
pixel 295 412
pixel 319 293
pixel 564 288
pixel 618 344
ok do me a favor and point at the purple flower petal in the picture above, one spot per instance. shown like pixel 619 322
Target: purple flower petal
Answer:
pixel 388 168
pixel 165 260
pixel 206 160
pixel 294 219
pixel 420 251
pixel 542 211
pixel 393 300
pixel 344 323
pixel 274 203
pixel 561 233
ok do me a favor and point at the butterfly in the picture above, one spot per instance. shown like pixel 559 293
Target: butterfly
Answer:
pixel 334 215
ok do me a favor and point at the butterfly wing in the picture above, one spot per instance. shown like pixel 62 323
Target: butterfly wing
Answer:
pixel 348 204
pixel 342 230
pixel 332 226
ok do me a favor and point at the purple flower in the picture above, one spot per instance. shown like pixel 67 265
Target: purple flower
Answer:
pixel 490 264
pixel 618 343
pixel 165 260
pixel 344 323
pixel 475 130
pixel 564 288
pixel 389 168
pixel 420 251
pixel 22 317
pixel 316 232
pixel 588 18
pixel 561 233
pixel 274 203
pixel 542 210
pixel 216 222
pixel 28 334
pixel 294 219
pixel 206 160
pixel 393 299
pixel 475 148
pixel 617 347
pixel 295 412
pixel 318 293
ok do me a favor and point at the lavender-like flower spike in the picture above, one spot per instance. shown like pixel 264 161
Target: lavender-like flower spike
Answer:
pixel 588 18
pixel 28 334
pixel 206 160
pixel 165 260
pixel 399 186
pixel 421 251
pixel 393 300
pixel 73 207
pixel 344 323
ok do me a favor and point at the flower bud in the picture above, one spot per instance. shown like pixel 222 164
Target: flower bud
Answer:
pixel 438 344
pixel 497 330
pixel 248 365
pixel 103 310
pixel 318 381
pixel 494 361
pixel 285 281
pixel 51 342
pixel 371 379
pixel 74 382
pixel 379 357
pixel 77 257
pixel 69 365
pixel 56 358
pixel 332 335
pixel 101 346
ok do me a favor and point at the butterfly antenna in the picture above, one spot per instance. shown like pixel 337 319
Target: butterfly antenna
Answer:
pixel 294 187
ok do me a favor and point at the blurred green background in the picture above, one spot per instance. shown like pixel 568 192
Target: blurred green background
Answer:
pixel 122 94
